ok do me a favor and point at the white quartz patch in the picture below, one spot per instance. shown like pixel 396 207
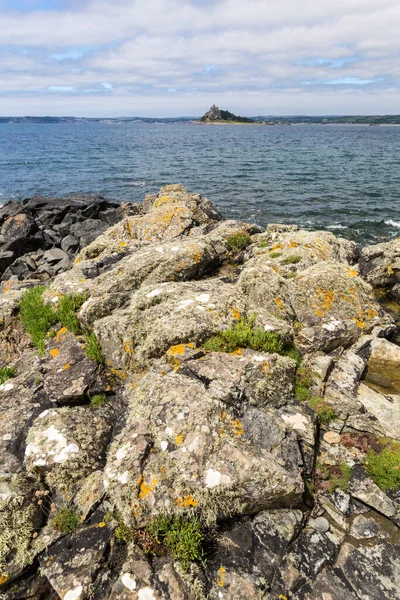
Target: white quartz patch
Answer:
pixel 128 581
pixel 153 293
pixel 164 445
pixel 297 421
pixel 213 478
pixel 146 594
pixel 74 594
pixel 6 387
pixel 123 477
pixel 63 455
pixel 203 298
pixel 184 304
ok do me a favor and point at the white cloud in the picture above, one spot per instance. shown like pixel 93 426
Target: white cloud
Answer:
pixel 180 55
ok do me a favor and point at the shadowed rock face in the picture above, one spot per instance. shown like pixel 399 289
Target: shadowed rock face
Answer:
pixel 271 458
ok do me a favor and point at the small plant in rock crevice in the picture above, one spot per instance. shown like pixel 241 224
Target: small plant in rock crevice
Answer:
pixel 275 254
pixel 263 243
pixel 66 520
pixel 331 477
pixel 238 241
pixel 93 349
pixel 67 307
pixel 303 384
pixel 292 259
pixel 98 400
pixel 244 334
pixel 325 413
pixel 6 373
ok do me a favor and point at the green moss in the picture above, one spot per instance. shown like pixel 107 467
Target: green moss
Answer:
pixel 245 335
pixel 93 349
pixel 66 520
pixel 384 466
pixel 67 308
pixel 292 259
pixel 36 316
pixel 293 353
pixel 264 243
pixel 303 384
pixel 342 481
pixel 98 400
pixel 6 373
pixel 275 254
pixel 183 537
pixel 325 413
pixel 239 241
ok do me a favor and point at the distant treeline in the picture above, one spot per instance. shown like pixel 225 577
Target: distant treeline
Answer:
pixel 301 119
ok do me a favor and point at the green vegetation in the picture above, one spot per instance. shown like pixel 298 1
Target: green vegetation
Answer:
pixel 292 259
pixel 244 334
pixel 263 243
pixel 183 537
pixel 6 373
pixel 98 400
pixel 303 384
pixel 325 413
pixel 36 316
pixel 384 466
pixel 67 308
pixel 93 349
pixel 293 353
pixel 238 241
pixel 275 254
pixel 66 520
pixel 332 477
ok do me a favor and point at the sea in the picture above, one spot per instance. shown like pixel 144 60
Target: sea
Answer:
pixel 341 178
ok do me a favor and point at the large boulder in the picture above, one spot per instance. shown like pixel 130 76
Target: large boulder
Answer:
pixel 183 450
pixel 380 264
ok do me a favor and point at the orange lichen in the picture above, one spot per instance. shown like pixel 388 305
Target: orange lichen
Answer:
pixel 221 576
pixel 235 313
pixel 3 579
pixel 145 488
pixel 67 366
pixel 54 352
pixel 101 524
pixel 186 502
pixel 128 348
pixel 179 440
pixel 119 373
pixel 293 244
pixel 276 247
pixel 60 333
pixel 280 304
pixel 390 270
pixel 237 352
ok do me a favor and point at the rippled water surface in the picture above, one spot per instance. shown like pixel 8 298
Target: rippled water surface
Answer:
pixel 343 178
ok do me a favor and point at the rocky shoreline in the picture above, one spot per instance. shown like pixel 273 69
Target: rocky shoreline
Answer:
pixel 194 408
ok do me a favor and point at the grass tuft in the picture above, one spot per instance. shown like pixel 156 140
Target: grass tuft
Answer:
pixel 67 308
pixel 93 349
pixel 244 334
pixel 36 316
pixel 303 384
pixel 98 400
pixel 325 413
pixel 66 520
pixel 6 373
pixel 239 241
pixel 384 467
pixel 292 259
pixel 275 254
pixel 263 243
pixel 183 537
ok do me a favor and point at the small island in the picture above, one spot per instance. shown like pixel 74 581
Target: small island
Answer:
pixel 215 116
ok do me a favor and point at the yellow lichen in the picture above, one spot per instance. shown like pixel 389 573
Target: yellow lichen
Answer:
pixel 179 440
pixel 54 352
pixel 67 366
pixel 60 333
pixel 352 273
pixel 101 524
pixel 280 304
pixel 390 270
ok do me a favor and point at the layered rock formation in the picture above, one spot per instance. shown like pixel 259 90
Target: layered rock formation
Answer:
pixel 240 439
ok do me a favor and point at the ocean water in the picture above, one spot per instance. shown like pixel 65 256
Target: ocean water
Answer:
pixel 342 178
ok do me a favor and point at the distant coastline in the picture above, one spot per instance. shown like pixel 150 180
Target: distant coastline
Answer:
pixel 372 120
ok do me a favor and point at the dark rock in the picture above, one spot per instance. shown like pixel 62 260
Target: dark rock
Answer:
pixel 70 243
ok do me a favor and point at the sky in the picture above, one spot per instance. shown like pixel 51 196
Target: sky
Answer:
pixel 177 57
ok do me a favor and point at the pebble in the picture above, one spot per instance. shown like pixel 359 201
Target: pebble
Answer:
pixel 320 524
pixel 331 437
